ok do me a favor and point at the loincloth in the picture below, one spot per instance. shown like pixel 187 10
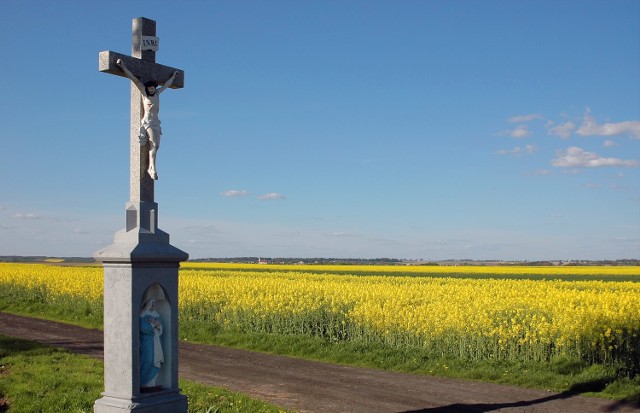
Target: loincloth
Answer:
pixel 144 126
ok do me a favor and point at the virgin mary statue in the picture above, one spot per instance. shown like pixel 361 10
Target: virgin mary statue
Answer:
pixel 151 355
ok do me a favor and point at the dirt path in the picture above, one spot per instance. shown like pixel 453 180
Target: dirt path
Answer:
pixel 308 386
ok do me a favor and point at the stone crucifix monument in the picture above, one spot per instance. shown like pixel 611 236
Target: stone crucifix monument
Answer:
pixel 141 266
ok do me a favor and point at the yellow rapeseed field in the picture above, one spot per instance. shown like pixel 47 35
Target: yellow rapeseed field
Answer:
pixel 57 280
pixel 460 317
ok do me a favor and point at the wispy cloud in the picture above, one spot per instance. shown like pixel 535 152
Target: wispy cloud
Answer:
pixel 574 157
pixel 271 196
pixel 519 150
pixel 590 127
pixel 519 132
pixel 525 118
pixel 522 130
pixel 234 193
pixel 344 234
pixel 541 172
pixel 27 216
pixel 562 130
pixel 609 144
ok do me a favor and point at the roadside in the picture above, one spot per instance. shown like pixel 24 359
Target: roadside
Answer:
pixel 310 386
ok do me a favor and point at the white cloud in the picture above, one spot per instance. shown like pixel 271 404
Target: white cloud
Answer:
pixel 520 132
pixel 542 172
pixel 525 118
pixel 590 127
pixel 272 195
pixel 527 149
pixel 26 216
pixel 574 157
pixel 344 234
pixel 234 193
pixel 609 143
pixel 562 130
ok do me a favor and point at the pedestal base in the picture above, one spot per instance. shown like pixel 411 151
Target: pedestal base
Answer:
pixel 161 402
pixel 139 267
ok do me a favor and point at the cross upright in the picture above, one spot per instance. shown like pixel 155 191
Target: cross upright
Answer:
pixel 142 210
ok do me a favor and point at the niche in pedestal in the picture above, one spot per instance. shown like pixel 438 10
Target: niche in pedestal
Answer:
pixel 155 342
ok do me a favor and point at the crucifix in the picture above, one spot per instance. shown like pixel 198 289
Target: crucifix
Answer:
pixel 143 70
pixel 141 266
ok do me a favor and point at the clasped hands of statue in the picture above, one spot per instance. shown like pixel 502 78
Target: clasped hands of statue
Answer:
pixel 153 321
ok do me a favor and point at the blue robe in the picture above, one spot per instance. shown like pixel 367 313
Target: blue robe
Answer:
pixel 147 368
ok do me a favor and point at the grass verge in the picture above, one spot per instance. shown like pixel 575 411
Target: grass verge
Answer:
pixel 559 375
pixel 37 378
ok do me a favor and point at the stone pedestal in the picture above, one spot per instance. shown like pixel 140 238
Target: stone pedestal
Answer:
pixel 139 265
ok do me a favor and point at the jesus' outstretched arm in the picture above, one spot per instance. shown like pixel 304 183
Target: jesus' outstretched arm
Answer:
pixel 130 75
pixel 168 83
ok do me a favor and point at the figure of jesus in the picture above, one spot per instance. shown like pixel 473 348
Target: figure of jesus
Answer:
pixel 150 129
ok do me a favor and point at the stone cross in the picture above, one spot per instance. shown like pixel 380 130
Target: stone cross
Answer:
pixel 140 269
pixel 143 65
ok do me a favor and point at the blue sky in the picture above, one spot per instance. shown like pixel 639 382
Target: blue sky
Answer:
pixel 407 129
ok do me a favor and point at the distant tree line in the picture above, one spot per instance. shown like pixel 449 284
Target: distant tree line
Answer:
pixel 347 261
pixel 395 261
pixel 42 258
pixel 306 261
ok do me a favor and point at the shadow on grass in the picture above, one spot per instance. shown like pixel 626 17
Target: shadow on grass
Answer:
pixel 10 346
pixel 576 390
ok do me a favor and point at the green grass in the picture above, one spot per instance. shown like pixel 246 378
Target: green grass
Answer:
pixel 560 375
pixel 40 379
pixel 76 310
pixel 208 399
pixel 36 378
pixel 606 381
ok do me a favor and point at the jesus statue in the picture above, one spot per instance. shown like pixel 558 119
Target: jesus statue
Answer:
pixel 150 124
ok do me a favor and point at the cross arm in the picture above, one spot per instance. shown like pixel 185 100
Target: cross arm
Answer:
pixel 141 68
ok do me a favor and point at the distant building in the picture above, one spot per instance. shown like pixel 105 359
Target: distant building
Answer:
pixel 262 261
